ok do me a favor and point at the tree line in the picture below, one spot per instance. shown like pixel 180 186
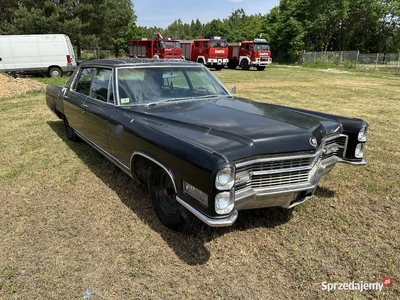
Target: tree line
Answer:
pixel 291 27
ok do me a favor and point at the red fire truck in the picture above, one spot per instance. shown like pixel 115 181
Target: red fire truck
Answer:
pixel 212 52
pixel 164 48
pixel 255 53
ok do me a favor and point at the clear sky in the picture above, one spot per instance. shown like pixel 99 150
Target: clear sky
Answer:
pixel 161 13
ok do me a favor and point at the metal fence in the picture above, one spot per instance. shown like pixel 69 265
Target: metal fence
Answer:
pixel 375 61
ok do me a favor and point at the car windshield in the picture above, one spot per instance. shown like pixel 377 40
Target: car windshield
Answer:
pixel 160 84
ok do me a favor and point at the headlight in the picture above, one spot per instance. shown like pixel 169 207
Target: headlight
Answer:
pixel 362 135
pixel 224 203
pixel 359 153
pixel 225 179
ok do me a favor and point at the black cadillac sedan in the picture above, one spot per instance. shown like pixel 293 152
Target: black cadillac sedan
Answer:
pixel 203 153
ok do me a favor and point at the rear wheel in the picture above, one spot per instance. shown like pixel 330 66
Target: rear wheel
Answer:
pixel 71 135
pixel 163 197
pixel 55 72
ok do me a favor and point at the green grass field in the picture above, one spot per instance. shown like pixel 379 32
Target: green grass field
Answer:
pixel 70 220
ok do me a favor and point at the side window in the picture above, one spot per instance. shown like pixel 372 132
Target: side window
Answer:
pixel 197 44
pixel 205 45
pixel 84 80
pixel 101 87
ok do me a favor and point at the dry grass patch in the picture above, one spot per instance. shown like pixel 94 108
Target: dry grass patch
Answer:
pixel 72 221
pixel 11 86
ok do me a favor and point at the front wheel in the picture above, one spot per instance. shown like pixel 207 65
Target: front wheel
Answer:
pixel 245 64
pixel 163 196
pixel 260 68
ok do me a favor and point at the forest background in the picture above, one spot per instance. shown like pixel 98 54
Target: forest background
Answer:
pixel 294 26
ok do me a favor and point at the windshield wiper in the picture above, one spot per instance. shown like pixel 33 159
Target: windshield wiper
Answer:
pixel 156 103
pixel 207 96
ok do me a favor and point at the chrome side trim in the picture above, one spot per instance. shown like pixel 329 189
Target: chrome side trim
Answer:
pixel 107 155
pixel 226 221
pixel 119 164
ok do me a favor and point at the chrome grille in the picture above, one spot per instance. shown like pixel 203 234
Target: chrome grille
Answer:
pixel 286 172
pixel 341 142
pixel 273 173
pixel 280 179
pixel 280 164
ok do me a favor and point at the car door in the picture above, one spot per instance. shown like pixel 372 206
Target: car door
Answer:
pixel 98 107
pixel 75 97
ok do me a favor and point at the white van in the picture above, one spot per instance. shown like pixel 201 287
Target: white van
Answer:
pixel 50 54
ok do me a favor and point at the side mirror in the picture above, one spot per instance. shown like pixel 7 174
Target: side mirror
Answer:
pixel 233 89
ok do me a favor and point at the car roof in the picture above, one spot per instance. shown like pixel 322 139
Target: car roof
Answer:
pixel 123 62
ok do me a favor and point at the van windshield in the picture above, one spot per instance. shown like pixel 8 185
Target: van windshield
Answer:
pixel 172 44
pixel 261 46
pixel 218 44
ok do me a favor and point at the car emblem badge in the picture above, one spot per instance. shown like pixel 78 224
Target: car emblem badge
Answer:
pixel 313 142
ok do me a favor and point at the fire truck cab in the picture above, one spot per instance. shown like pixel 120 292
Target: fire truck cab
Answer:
pixel 165 48
pixel 212 52
pixel 255 53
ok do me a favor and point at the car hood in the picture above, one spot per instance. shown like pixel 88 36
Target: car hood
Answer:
pixel 239 128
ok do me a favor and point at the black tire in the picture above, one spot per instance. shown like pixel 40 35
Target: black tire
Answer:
pixel 71 135
pixel 245 65
pixel 201 61
pixel 55 72
pixel 163 197
pixel 218 68
pixel 261 68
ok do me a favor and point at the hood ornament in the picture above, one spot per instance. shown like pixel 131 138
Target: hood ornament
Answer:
pixel 313 142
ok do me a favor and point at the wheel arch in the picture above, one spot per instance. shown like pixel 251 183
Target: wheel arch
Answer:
pixel 201 60
pixel 242 58
pixel 140 163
